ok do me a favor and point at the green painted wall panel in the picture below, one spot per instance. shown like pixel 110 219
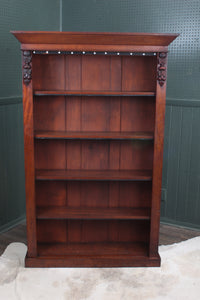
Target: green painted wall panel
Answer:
pixel 12 196
pixel 180 165
pixel 165 157
pixel 174 159
pixel 182 143
pixel 193 211
pixel 180 16
pixel 185 155
pixel 16 15
pixel 21 15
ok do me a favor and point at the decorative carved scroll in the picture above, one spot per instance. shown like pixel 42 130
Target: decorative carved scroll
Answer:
pixel 162 68
pixel 27 66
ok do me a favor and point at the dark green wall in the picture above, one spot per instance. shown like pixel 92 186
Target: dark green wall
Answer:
pixel 175 16
pixel 181 172
pixel 16 15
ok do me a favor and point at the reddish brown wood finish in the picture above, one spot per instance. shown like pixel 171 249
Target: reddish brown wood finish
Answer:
pixel 93 135
pixel 96 261
pixel 101 38
pixel 91 93
pixel 29 165
pixel 93 175
pixel 63 212
pixel 91 41
pixel 158 155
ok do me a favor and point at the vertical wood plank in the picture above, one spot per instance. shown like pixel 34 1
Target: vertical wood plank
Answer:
pixel 51 193
pixel 49 72
pixel 115 73
pixel 52 231
pixel 114 155
pixel 114 193
pixel 135 155
pixel 158 152
pixel 114 113
pixel 49 113
pixel 137 114
pixel 46 154
pixel 138 73
pixel 73 154
pixel 94 194
pixel 29 155
pixel 96 73
pixel 73 113
pixel 73 72
pixel 95 155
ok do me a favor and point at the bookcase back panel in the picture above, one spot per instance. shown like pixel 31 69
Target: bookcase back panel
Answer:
pixel 49 113
pixel 48 73
pixel 94 72
pixel 138 73
pixel 138 114
pixel 73 70
pixel 54 231
pixel 87 231
pixel 100 114
pixel 94 113
pixel 93 155
pixel 52 193
pixel 93 194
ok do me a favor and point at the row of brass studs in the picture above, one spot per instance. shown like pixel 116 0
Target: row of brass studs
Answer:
pixel 95 53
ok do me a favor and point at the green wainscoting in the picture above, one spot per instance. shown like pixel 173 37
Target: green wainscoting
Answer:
pixel 12 193
pixel 16 15
pixel 181 173
pixel 181 168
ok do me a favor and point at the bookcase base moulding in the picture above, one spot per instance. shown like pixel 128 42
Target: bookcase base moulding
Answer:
pixel 94 107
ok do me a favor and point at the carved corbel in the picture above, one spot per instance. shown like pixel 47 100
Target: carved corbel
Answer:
pixel 162 68
pixel 27 66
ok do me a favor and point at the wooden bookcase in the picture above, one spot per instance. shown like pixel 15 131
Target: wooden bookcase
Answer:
pixel 94 106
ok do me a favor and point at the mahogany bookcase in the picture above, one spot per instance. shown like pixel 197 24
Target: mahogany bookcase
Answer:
pixel 94 107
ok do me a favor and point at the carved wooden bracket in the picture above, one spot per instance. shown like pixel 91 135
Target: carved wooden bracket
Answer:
pixel 162 68
pixel 27 66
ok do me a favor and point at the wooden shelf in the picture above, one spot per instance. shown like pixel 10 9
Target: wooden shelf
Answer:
pixel 94 135
pixel 129 175
pixel 104 254
pixel 103 248
pixel 91 93
pixel 90 213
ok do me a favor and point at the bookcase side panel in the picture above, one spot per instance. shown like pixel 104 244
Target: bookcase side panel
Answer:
pixel 158 151
pixel 29 152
